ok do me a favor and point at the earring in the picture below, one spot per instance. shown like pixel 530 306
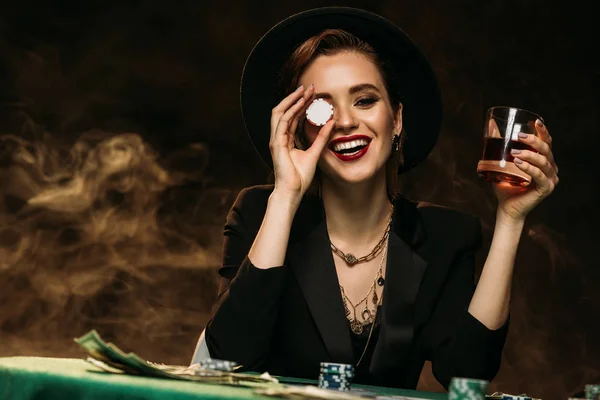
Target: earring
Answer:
pixel 395 143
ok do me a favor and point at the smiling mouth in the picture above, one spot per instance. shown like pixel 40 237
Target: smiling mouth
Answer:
pixel 349 148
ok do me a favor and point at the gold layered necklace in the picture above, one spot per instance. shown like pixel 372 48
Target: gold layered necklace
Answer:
pixel 367 315
pixel 351 258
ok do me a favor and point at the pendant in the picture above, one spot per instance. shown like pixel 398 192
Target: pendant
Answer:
pixel 375 298
pixel 350 258
pixel 380 281
pixel 356 327
pixel 366 317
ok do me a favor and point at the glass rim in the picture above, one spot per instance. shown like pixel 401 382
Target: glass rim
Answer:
pixel 491 110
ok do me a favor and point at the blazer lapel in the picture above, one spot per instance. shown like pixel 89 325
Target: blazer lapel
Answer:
pixel 310 258
pixel 404 272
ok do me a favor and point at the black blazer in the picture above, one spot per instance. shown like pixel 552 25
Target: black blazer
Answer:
pixel 286 320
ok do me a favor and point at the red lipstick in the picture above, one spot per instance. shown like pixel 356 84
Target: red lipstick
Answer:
pixel 343 139
pixel 353 156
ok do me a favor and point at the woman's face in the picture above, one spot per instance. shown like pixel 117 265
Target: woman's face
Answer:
pixel 361 140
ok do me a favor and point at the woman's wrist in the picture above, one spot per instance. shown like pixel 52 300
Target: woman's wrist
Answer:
pixel 270 245
pixel 505 219
pixel 285 201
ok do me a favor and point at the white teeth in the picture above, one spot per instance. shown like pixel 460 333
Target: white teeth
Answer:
pixel 349 145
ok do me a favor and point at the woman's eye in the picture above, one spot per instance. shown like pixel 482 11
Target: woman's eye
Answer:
pixel 366 101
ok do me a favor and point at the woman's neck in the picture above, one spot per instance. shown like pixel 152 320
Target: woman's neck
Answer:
pixel 356 213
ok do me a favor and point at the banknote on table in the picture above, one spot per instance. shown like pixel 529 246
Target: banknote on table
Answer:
pixel 308 392
pixel 317 393
pixel 506 396
pixel 313 392
pixel 110 358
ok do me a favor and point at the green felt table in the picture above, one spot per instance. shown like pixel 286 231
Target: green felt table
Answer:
pixel 27 378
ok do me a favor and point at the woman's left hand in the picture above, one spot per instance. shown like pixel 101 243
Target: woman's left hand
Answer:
pixel 517 202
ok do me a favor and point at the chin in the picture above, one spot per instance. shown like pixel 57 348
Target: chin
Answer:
pixel 351 175
pixel 358 177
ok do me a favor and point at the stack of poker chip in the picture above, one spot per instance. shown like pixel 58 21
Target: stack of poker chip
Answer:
pixel 467 389
pixel 336 376
pixel 592 392
pixel 218 365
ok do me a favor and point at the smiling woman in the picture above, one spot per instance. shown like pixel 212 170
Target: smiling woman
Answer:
pixel 365 119
pixel 335 56
pixel 331 263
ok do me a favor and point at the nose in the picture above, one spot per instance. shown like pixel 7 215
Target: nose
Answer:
pixel 345 119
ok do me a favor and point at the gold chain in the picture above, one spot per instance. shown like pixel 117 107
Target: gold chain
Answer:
pixel 351 258
pixel 368 339
pixel 355 324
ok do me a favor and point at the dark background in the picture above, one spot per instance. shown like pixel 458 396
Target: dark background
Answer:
pixel 122 149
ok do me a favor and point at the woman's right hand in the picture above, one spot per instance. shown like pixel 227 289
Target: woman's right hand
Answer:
pixel 294 168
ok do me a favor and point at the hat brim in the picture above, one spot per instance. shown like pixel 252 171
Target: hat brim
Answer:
pixel 421 99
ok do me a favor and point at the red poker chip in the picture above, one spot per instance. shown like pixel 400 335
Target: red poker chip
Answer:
pixel 319 112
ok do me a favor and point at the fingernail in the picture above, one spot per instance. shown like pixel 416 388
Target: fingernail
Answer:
pixel 311 85
pixel 523 135
pixel 518 160
pixel 540 122
pixel 299 87
pixel 515 151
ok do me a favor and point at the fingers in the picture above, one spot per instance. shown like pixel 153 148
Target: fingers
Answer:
pixel 309 94
pixel 539 163
pixel 536 159
pixel 543 184
pixel 286 103
pixel 284 117
pixel 283 106
pixel 541 146
pixel 543 132
pixel 282 132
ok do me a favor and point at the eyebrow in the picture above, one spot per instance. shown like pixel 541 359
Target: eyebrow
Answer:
pixel 354 89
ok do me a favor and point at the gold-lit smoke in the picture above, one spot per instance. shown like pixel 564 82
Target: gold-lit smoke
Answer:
pixel 106 235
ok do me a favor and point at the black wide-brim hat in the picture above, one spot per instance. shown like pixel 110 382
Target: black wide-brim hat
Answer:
pixel 419 91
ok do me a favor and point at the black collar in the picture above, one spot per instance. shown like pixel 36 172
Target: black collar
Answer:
pixel 406 222
pixel 310 258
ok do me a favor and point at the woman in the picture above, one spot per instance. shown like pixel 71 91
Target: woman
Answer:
pixel 330 263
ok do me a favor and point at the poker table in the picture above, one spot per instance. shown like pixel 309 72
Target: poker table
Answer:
pixel 28 378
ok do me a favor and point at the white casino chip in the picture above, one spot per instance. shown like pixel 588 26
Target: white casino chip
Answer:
pixel 319 112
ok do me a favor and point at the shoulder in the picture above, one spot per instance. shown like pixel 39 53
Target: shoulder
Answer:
pixel 254 196
pixel 254 199
pixel 250 205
